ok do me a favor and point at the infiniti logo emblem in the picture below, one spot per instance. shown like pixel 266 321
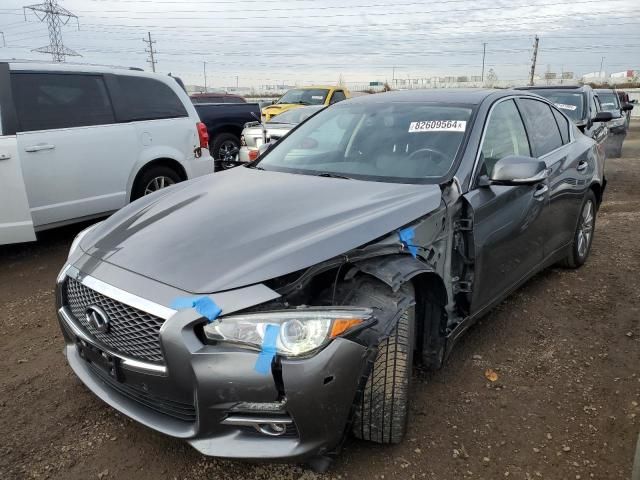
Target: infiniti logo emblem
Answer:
pixel 97 319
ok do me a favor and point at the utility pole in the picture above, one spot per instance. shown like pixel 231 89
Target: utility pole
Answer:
pixel 484 52
pixel 204 71
pixel 150 51
pixel 56 17
pixel 600 75
pixel 237 82
pixel 4 42
pixel 533 60
pixel 394 77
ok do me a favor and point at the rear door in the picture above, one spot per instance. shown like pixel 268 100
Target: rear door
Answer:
pixel 15 218
pixel 75 159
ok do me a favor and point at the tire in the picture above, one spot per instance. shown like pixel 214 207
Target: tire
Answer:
pixel 578 253
pixel 221 143
pixel 381 412
pixel 151 179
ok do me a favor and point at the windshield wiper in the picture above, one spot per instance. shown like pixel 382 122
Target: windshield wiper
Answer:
pixel 333 175
pixel 301 102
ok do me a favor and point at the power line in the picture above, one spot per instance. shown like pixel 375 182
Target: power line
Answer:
pixel 55 16
pixel 150 51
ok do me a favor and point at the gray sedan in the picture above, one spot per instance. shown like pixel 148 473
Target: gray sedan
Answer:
pixel 377 232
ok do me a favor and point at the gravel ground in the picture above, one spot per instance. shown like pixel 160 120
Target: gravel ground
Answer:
pixel 566 349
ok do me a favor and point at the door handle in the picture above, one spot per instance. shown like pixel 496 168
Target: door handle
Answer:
pixel 39 147
pixel 5 156
pixel 540 191
pixel 582 166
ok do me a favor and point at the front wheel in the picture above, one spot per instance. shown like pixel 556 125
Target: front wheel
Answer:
pixel 583 237
pixel 381 414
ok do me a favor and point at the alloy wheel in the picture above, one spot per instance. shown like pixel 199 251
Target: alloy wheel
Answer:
pixel 158 183
pixel 585 230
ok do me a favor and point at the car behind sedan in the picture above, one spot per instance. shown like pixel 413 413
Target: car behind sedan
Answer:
pixel 378 231
pixel 256 134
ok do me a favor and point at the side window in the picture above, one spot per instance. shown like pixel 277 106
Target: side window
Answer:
pixel 542 127
pixel 338 96
pixel 505 135
pixel 563 125
pixel 46 101
pixel 147 99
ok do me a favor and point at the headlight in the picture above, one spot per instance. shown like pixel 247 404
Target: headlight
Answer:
pixel 300 331
pixel 79 237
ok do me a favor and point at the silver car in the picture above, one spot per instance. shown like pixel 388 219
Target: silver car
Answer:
pixel 256 134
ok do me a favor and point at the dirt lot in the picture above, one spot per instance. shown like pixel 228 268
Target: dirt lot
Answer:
pixel 566 348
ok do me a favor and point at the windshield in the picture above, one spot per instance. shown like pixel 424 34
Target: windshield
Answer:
pixel 295 116
pixel 571 103
pixel 609 101
pixel 395 142
pixel 305 96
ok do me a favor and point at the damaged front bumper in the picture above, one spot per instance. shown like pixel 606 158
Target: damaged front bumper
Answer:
pixel 212 396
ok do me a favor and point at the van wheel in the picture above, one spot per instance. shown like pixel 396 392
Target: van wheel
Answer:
pixel 583 236
pixel 154 179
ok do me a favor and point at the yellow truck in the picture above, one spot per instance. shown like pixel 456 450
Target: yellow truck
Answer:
pixel 299 97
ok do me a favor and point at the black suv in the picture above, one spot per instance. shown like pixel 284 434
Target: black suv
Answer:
pixel 582 105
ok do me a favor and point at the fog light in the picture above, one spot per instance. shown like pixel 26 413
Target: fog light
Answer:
pixel 273 429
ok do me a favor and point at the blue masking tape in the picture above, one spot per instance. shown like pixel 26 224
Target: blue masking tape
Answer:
pixel 263 364
pixel 203 305
pixel 407 238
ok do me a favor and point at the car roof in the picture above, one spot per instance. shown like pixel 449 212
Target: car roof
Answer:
pixel 73 67
pixel 582 88
pixel 604 90
pixel 469 96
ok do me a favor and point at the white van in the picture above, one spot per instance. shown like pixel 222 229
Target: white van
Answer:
pixel 78 142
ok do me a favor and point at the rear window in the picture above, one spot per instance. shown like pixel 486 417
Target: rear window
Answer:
pixel 147 99
pixel 571 103
pixel 46 101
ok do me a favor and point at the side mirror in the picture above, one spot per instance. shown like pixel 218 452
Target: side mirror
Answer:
pixel 518 170
pixel 627 107
pixel 603 117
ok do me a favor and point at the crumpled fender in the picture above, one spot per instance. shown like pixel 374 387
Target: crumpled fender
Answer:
pixel 393 270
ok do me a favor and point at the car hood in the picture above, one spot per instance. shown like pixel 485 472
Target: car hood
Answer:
pixel 244 226
pixel 279 108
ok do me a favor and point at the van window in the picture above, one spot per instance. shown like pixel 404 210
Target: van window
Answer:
pixel 147 99
pixel 46 101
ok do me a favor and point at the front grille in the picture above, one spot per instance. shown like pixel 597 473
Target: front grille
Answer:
pixel 179 410
pixel 132 332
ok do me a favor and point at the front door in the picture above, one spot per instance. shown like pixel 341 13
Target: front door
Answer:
pixel 509 226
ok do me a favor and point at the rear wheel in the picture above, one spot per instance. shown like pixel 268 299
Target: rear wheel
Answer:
pixel 154 179
pixel 583 237
pixel 224 148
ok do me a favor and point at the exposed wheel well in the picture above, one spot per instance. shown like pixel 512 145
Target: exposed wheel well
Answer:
pixel 160 162
pixel 597 190
pixel 431 319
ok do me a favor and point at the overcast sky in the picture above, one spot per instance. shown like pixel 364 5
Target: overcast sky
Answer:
pixel 307 41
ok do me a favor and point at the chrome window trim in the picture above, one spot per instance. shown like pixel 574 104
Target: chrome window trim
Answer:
pixel 120 295
pixel 126 362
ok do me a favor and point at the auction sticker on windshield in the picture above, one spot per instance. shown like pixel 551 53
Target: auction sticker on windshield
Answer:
pixel 564 106
pixel 438 126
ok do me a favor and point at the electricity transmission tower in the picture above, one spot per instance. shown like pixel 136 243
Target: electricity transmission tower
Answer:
pixel 55 16
pixel 152 60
